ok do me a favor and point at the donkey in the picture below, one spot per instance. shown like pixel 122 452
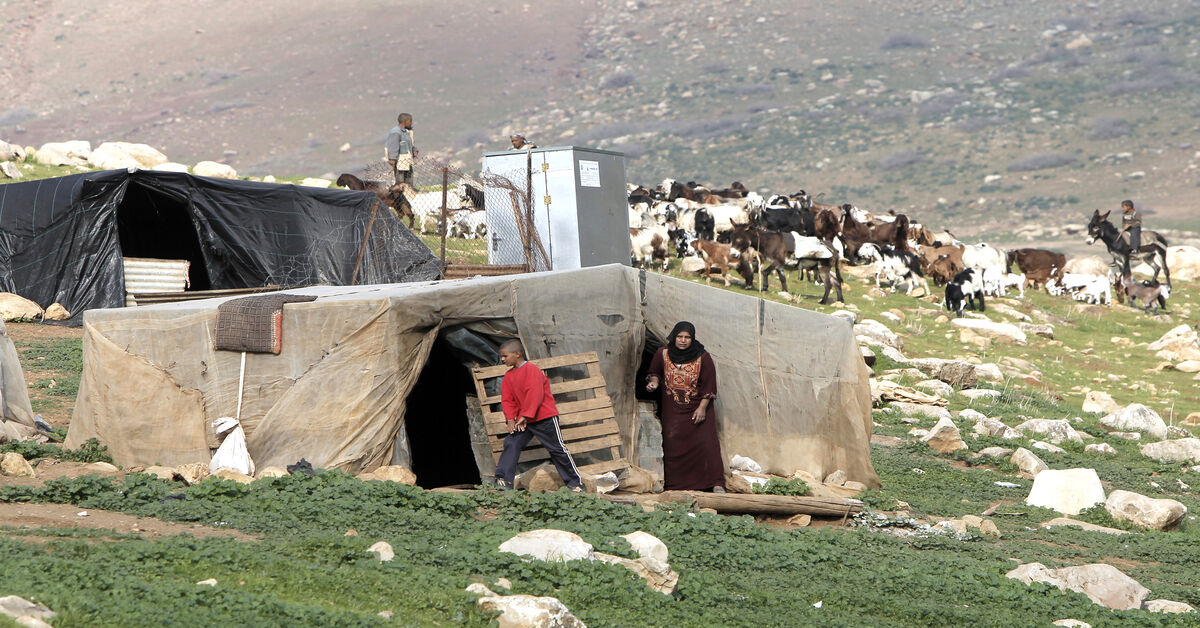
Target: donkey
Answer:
pixel 1154 246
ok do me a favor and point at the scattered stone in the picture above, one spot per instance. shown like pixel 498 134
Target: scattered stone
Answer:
pixel 525 611
pixel 800 521
pixel 657 574
pixel 1082 41
pixel 1068 491
pixel 600 484
pixel 1083 525
pixel 873 332
pixel 214 169
pixel 56 312
pixel 1045 331
pixel 271 472
pixel 989 426
pixel 548 545
pixel 994 452
pixel 1100 448
pixel 232 474
pixel 1098 402
pixel 1126 435
pixel 1188 366
pixel 72 153
pixel 1072 623
pixel 26 613
pixel 854 486
pixel 980 393
pixel 1192 419
pixel 1144 512
pixel 171 166
pixel 936 386
pixel 989 372
pixel 1056 430
pixel 314 182
pixel 1044 446
pixel 989 528
pixel 211 582
pixel 957 374
pixel 1136 418
pixel 1167 606
pixel 13 463
pixel 1177 432
pixel 868 355
pixel 1102 583
pixel 918 409
pixel 968 414
pixel 390 473
pixel 1181 343
pixel 846 315
pixel 944 437
pixel 11 152
pixel 837 478
pixel 14 307
pixel 123 155
pixel 504 583
pixel 1005 332
pixel 10 170
pixel 646 544
pixel 1028 463
pixel 162 473
pixel 383 551
pixel 1180 450
pixel 191 473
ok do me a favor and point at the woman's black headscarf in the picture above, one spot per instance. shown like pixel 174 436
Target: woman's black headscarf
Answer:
pixel 692 353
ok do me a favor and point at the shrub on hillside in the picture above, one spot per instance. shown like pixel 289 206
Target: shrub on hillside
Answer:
pixel 632 150
pixel 890 115
pixel 1133 18
pixel 472 138
pixel 978 123
pixel 938 106
pixel 1044 161
pixel 1109 128
pixel 618 80
pixel 903 40
pixel 899 160
pixel 714 68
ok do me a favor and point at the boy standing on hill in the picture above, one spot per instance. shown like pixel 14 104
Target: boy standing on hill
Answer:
pixel 529 411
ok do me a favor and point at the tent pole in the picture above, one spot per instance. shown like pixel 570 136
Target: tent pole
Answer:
pixel 366 238
pixel 445 184
pixel 241 387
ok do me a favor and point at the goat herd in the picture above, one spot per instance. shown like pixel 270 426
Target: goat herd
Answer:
pixel 755 236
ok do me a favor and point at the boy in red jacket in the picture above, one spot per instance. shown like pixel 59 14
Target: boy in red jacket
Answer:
pixel 529 411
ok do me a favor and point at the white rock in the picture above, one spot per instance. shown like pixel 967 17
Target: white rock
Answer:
pixel 170 166
pixel 72 153
pixel 999 331
pixel 1044 446
pixel 10 170
pixel 971 415
pixel 1179 450
pixel 1028 462
pixel 837 478
pixel 1100 448
pixel 873 332
pixel 525 611
pixel 1069 491
pixel 1099 402
pixel 1184 262
pixel 646 544
pixel 1181 343
pixel 1188 366
pixel 1136 418
pixel 16 307
pixel 1144 512
pixel 995 452
pixel 944 437
pixel 989 372
pixel 1103 584
pixel 989 426
pixel 1072 623
pixel 211 582
pixel 845 315
pixel 936 387
pixel 11 152
pixel 314 182
pixel 383 551
pixel 1167 606
pixel 1056 430
pixel 1082 41
pixel 13 463
pixel 123 155
pixel 920 409
pixel 980 393
pixel 692 264
pixel 548 544
pixel 20 609
pixel 214 169
pixel 56 312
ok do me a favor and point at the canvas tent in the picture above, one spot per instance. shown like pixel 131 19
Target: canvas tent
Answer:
pixel 360 379
pixel 16 415
pixel 63 239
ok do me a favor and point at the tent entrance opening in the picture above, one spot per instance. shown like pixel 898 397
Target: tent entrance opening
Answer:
pixel 155 225
pixel 437 424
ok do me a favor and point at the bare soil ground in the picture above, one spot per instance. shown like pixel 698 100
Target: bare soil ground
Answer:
pixel 28 516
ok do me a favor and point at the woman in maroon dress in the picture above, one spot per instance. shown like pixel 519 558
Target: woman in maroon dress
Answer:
pixel 688 378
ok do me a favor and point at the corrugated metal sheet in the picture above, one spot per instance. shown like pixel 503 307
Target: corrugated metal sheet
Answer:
pixel 144 275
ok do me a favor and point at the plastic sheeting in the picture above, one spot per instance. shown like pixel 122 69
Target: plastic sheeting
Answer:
pixel 62 239
pixel 16 415
pixel 793 388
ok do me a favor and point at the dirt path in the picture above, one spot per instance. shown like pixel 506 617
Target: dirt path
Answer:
pixel 32 516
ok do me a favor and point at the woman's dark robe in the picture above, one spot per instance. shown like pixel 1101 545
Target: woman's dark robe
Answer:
pixel 691 453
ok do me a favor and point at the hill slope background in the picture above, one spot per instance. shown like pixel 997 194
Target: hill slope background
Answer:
pixel 980 117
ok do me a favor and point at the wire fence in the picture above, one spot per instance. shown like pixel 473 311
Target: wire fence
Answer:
pixel 476 225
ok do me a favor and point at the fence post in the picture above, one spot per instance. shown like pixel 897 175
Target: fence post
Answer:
pixel 442 228
pixel 530 229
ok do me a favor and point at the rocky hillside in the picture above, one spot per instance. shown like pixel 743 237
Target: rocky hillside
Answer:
pixel 982 117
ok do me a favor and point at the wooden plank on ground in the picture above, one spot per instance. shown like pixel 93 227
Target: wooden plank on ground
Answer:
pixel 753 503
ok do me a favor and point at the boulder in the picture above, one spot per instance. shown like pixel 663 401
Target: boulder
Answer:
pixel 873 332
pixel 968 414
pixel 314 182
pixel 543 478
pixel 1043 330
pixel 271 472
pixel 989 426
pixel 1178 344
pixel 548 544
pixel 1184 262
pixel 389 473
pixel 14 307
pixel 989 372
pixel 1071 623
pixel 646 544
pixel 969 337
pixel 692 264
pixel 639 480
pixel 191 473
pixel 920 409
pixel 845 315
pixel 1087 264
pixel 975 394
pixel 1099 402
pixel 1102 583
pixel 1144 512
pixel 944 437
pixel 1056 430
pixel 957 374
pixel 214 169
pixel 160 472
pixel 657 574
pixel 1083 525
pixel 1167 606
pixel 1069 491
pixel 994 452
pixel 383 551
pixel 525 611
pixel 1044 446
pixel 1028 463
pixel 1004 332
pixel 122 155
pixel 232 474
pixel 171 166
pixel 24 612
pixel 1188 366
pixel 935 386
pixel 13 463
pixel 1136 418
pixel 1100 448
pixel 10 170
pixel 1126 435
pixel 11 152
pixel 72 153
pixel 56 312
pixel 837 478
pixel 1179 450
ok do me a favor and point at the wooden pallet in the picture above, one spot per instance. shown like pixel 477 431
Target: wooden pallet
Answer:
pixel 589 426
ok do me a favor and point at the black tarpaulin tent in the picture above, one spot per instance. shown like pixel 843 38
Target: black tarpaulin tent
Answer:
pixel 63 239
